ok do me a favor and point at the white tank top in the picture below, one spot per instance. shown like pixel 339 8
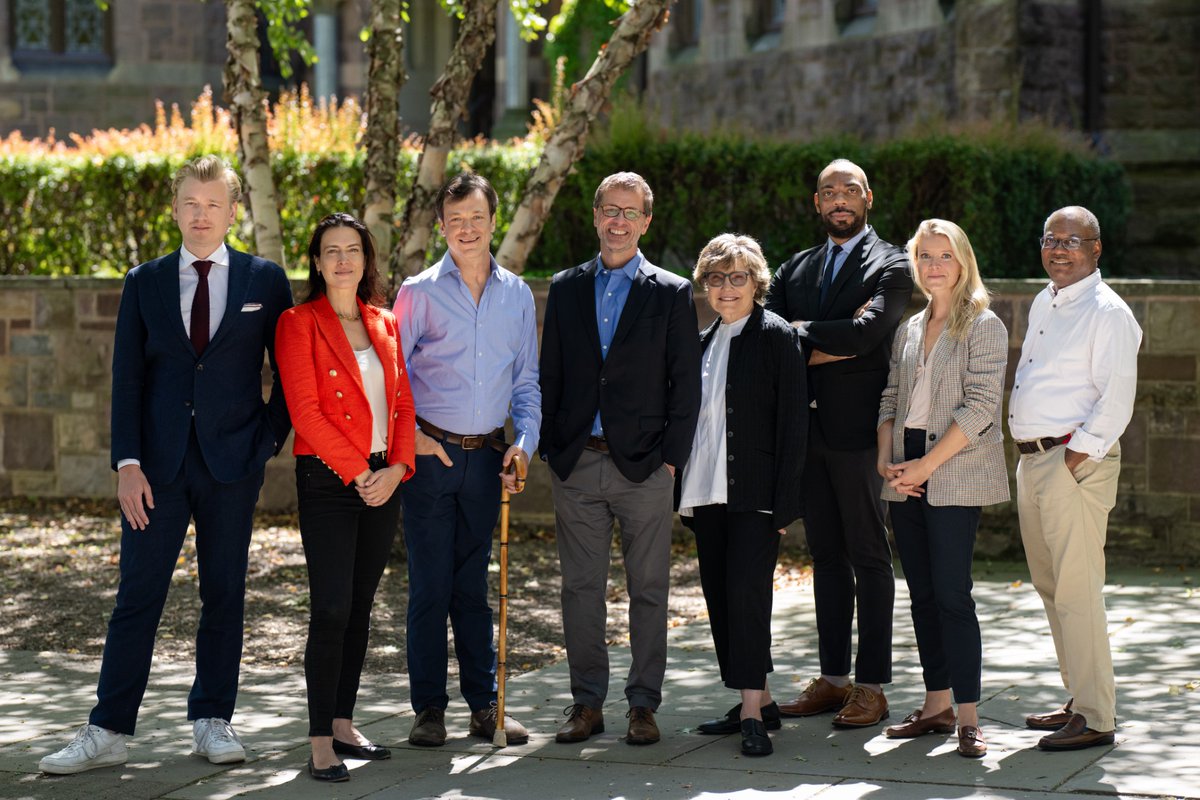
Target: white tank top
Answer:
pixel 372 377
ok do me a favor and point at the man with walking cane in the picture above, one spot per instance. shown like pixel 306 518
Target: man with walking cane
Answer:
pixel 468 330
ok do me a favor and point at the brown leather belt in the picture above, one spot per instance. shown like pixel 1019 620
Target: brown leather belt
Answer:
pixel 597 443
pixel 478 441
pixel 1042 445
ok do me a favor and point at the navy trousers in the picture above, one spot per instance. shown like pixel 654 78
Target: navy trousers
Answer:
pixel 936 546
pixel 449 516
pixel 224 515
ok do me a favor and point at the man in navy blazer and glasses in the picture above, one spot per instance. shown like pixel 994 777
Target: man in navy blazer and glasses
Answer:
pixel 190 438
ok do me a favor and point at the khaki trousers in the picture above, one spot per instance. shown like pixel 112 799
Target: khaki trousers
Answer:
pixel 1064 521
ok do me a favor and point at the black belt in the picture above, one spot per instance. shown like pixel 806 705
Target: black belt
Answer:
pixel 1042 445
pixel 478 441
pixel 597 443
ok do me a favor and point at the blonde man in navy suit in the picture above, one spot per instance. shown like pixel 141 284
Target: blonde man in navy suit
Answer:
pixel 191 435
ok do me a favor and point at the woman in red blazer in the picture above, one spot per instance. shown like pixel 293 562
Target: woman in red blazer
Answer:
pixel 350 403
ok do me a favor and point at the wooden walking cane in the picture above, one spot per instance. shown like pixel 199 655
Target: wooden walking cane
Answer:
pixel 500 739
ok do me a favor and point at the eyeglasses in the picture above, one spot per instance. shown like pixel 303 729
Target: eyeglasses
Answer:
pixel 1049 242
pixel 715 280
pixel 631 214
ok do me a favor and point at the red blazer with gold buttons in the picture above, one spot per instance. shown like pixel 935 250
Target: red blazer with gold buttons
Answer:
pixel 324 390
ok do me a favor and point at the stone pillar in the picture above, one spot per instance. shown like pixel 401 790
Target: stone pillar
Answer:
pixel 809 23
pixel 895 16
pixel 723 31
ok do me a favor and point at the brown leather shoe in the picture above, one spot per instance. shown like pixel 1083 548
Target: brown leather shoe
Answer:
pixel 818 697
pixel 483 725
pixel 642 728
pixel 1076 735
pixel 582 723
pixel 971 743
pixel 914 725
pixel 1051 721
pixel 429 728
pixel 863 708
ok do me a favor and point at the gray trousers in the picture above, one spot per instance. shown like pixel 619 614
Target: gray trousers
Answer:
pixel 585 506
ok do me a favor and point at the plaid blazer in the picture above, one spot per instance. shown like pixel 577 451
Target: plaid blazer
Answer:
pixel 967 387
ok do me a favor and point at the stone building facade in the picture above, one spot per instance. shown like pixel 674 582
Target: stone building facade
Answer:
pixel 1124 74
pixel 56 340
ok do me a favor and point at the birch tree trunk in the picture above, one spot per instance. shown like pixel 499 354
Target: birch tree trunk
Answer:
pixel 475 35
pixel 569 138
pixel 247 104
pixel 386 76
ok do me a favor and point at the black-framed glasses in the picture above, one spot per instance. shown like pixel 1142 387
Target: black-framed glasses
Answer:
pixel 1049 242
pixel 631 214
pixel 715 280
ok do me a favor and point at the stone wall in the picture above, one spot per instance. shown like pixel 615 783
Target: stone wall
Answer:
pixel 55 370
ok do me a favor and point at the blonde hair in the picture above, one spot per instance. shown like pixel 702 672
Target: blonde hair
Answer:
pixel 205 169
pixel 735 250
pixel 968 298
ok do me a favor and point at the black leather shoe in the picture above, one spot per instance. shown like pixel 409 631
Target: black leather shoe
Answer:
pixel 369 751
pixel 335 774
pixel 732 721
pixel 755 741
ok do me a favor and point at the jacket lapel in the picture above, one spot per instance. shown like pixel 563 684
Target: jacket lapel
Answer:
pixel 850 267
pixel 239 285
pixel 585 295
pixel 330 328
pixel 639 293
pixel 167 279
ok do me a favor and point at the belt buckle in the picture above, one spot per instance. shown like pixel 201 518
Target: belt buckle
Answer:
pixel 474 442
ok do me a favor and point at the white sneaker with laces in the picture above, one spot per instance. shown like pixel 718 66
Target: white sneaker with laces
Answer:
pixel 214 738
pixel 92 747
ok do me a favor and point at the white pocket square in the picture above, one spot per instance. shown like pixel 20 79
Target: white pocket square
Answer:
pixel 252 307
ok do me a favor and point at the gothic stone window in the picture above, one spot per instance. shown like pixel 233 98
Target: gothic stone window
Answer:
pixel 60 32
pixel 687 16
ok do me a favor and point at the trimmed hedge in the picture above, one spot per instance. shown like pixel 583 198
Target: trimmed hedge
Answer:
pixel 75 215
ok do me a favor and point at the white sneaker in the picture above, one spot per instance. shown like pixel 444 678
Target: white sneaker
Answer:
pixel 92 747
pixel 215 739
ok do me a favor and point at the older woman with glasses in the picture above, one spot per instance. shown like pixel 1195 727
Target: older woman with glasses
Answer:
pixel 941 452
pixel 348 395
pixel 741 486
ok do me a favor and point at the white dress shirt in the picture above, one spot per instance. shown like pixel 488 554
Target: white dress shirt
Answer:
pixel 218 287
pixel 1078 368
pixel 704 477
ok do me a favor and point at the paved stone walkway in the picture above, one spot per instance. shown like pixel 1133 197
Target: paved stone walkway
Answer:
pixel 1155 624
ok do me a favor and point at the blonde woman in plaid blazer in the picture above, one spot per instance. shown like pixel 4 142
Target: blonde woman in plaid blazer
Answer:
pixel 941 454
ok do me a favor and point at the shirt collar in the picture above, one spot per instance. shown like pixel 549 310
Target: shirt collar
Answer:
pixel 631 266
pixel 219 257
pixel 447 266
pixel 1080 287
pixel 850 243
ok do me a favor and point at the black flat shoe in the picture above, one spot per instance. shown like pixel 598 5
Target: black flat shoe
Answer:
pixel 755 741
pixel 368 752
pixel 335 774
pixel 732 721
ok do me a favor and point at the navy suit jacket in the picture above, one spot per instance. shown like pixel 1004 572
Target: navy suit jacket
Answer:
pixel 160 386
pixel 647 390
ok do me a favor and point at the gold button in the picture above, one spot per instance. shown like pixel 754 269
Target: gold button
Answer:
pixel 395 415
pixel 347 416
pixel 333 373
pixel 337 394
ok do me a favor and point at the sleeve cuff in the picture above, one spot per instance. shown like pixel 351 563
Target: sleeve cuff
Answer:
pixel 125 462
pixel 1090 445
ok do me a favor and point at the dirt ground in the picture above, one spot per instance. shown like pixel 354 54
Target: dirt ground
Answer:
pixel 59 568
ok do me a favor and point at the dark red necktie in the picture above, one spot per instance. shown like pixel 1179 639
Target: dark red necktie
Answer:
pixel 200 308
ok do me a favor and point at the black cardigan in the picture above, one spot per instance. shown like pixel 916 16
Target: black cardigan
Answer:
pixel 766 418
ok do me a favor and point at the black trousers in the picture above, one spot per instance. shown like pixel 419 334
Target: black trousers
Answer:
pixel 737 553
pixel 936 546
pixel 851 558
pixel 346 545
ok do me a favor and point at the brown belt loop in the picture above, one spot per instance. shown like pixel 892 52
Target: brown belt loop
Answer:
pixel 477 441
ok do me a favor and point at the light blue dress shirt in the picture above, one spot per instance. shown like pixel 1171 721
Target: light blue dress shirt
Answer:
pixel 469 364
pixel 841 257
pixel 612 290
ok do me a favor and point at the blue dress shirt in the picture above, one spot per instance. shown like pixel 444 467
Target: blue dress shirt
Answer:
pixel 841 257
pixel 468 364
pixel 612 290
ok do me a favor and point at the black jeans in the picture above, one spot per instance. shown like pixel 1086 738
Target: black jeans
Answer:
pixel 936 546
pixel 737 553
pixel 346 545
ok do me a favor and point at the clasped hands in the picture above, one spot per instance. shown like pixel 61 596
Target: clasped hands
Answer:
pixel 908 478
pixel 375 487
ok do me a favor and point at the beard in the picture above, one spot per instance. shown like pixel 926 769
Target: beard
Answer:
pixel 847 229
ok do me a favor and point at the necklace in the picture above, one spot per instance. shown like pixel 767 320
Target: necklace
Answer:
pixel 348 317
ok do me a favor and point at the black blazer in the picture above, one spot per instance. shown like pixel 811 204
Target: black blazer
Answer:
pixel 161 389
pixel 766 420
pixel 847 392
pixel 647 390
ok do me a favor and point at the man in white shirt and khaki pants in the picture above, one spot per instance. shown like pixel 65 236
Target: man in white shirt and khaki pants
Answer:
pixel 1072 398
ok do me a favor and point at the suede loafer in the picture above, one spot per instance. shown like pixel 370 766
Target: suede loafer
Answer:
pixel 367 752
pixel 582 723
pixel 732 721
pixel 1076 735
pixel 863 708
pixel 915 725
pixel 755 741
pixel 1051 721
pixel 819 697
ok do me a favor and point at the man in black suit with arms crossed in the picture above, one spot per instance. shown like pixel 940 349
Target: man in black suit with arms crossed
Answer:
pixel 846 297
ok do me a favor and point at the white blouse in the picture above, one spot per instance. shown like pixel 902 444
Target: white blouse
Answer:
pixel 372 377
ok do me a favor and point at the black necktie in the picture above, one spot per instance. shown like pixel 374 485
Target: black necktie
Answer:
pixel 827 278
pixel 200 308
